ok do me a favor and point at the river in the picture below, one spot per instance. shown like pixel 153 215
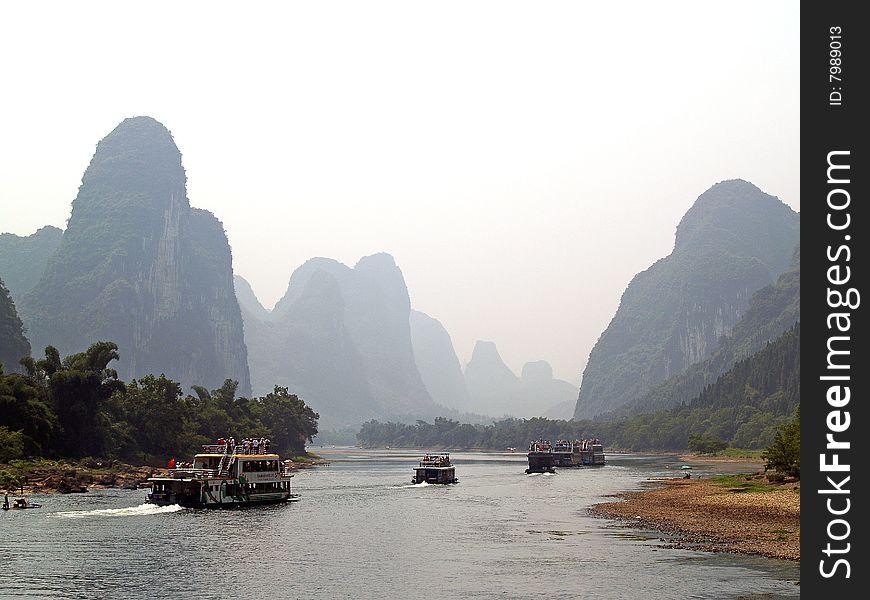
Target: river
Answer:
pixel 362 530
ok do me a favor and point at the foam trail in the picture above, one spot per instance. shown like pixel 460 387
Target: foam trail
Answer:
pixel 130 511
pixel 416 485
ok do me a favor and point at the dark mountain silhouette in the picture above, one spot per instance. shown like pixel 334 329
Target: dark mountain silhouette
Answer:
pixel 437 362
pixel 138 266
pixel 732 242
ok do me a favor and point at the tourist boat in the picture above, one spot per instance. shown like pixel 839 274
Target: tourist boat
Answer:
pixel 541 459
pixel 578 453
pixel 435 468
pixel 223 476
pixel 19 504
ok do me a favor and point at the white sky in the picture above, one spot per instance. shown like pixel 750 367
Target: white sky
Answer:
pixel 521 161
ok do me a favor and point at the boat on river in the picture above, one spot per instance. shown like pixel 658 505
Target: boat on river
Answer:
pixel 541 459
pixel 578 453
pixel 435 468
pixel 544 456
pixel 224 476
pixel 19 504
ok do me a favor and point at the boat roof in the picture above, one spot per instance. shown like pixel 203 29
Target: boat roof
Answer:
pixel 217 455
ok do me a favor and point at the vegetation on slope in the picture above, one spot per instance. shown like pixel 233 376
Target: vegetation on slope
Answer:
pixel 77 406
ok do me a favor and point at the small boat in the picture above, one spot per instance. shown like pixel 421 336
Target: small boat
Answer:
pixel 685 467
pixel 435 468
pixel 225 475
pixel 19 504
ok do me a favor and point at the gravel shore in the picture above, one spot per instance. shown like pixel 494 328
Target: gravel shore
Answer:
pixel 702 515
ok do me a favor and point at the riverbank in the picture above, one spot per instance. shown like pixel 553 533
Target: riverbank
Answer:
pixel 43 476
pixel 731 514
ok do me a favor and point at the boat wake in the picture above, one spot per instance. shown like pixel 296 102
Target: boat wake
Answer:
pixel 416 485
pixel 130 511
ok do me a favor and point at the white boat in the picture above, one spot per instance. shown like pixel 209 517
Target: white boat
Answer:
pixel 224 476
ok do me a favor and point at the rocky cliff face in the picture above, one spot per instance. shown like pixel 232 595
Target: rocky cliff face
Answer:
pixel 772 311
pixel 341 339
pixel 138 266
pixel 13 344
pixel 23 259
pixel 733 241
pixel 437 362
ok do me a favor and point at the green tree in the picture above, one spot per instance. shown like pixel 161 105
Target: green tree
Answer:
pixel 784 455
pixel 79 388
pixel 290 422
pixel 24 409
pixel 155 416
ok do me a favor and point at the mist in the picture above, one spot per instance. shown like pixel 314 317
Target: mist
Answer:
pixel 521 163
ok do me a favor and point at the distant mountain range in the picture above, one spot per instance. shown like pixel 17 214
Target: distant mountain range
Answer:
pixel 438 364
pixel 732 242
pixel 495 390
pixel 137 266
pixel 341 338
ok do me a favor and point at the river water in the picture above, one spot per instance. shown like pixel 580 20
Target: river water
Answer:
pixel 362 530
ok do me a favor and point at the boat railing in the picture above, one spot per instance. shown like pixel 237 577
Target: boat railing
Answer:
pixel 439 460
pixel 181 471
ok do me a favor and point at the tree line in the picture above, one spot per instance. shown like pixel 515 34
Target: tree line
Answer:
pixel 77 407
pixel 750 406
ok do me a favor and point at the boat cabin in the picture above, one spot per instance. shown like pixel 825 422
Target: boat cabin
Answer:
pixel 435 468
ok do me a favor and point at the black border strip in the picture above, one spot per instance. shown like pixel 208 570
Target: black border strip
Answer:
pixel 833 120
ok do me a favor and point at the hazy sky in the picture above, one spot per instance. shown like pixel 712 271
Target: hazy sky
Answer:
pixel 522 161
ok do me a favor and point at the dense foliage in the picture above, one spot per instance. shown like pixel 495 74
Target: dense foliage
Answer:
pixel 77 406
pixel 743 408
pixel 784 455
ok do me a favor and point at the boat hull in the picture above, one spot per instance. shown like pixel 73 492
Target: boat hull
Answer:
pixel 212 493
pixel 435 475
pixel 541 462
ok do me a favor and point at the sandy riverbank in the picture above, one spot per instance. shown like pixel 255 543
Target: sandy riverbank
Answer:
pixel 704 515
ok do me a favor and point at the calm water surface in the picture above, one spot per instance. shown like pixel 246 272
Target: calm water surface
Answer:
pixel 362 531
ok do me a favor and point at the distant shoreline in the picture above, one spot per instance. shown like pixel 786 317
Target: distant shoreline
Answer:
pixel 702 515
